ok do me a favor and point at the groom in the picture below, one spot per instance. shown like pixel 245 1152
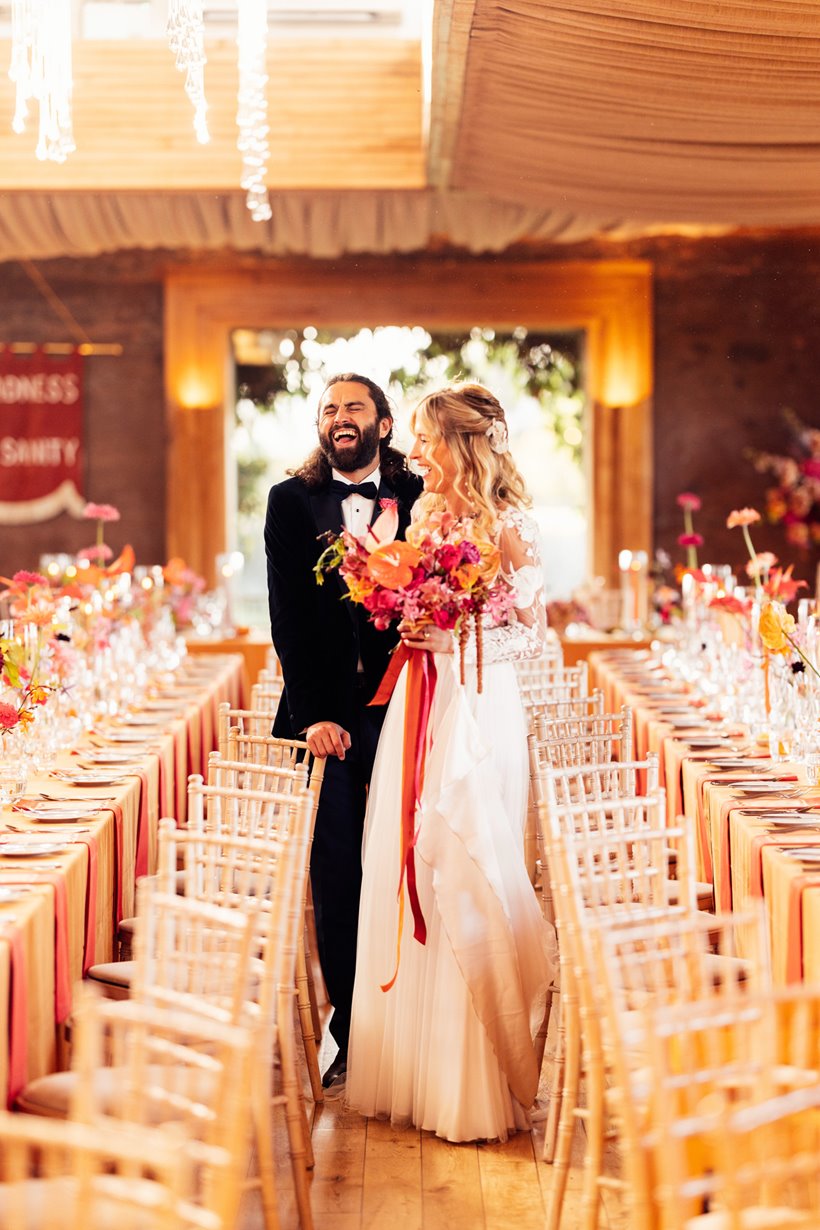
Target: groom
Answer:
pixel 332 657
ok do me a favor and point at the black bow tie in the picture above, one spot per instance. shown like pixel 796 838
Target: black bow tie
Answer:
pixel 368 491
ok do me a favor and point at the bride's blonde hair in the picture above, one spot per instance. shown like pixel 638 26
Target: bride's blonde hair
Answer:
pixel 486 480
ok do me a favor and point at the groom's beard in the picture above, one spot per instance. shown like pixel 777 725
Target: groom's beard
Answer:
pixel 353 456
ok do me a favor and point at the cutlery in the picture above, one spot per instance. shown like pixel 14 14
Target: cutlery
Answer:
pixel 53 824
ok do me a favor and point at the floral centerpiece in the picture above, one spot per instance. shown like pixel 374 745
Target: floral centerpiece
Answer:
pixel 794 498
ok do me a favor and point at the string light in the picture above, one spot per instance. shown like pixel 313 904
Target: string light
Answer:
pixel 186 37
pixel 41 72
pixel 252 109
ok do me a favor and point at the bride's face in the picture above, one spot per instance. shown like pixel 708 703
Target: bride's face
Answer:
pixel 434 462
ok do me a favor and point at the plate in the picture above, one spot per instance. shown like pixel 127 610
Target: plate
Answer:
pixel 144 719
pixel 794 819
pixel 737 762
pixel 9 892
pixel 764 787
pixel 715 740
pixel 129 736
pixel 114 756
pixel 54 816
pixel 89 779
pixel 808 854
pixel 29 849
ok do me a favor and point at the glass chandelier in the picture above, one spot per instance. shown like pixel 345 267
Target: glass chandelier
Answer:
pixel 41 72
pixel 186 37
pixel 252 110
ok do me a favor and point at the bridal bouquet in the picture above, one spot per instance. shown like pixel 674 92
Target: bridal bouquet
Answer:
pixel 445 574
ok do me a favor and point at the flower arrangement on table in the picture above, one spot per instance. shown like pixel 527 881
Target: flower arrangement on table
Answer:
pixel 774 589
pixel 445 574
pixel 182 589
pixel 22 690
pixel 794 499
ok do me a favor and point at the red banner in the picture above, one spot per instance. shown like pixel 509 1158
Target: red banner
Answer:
pixel 41 434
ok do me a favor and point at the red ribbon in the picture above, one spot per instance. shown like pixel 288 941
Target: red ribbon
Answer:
pixel 421 686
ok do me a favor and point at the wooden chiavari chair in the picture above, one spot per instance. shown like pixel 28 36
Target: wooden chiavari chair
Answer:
pixel 676 961
pixel 69 1176
pixel 728 1148
pixel 266 875
pixel 256 749
pixel 608 859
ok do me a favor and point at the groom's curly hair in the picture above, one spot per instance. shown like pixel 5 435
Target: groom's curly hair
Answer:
pixel 315 470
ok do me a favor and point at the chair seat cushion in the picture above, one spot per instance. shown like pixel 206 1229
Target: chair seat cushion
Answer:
pixel 50 1096
pixel 50 1204
pixel 113 976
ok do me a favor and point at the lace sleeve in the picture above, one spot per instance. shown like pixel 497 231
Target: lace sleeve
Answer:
pixel 525 634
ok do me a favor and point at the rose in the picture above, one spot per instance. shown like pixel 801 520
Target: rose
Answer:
pixel 9 717
pixel 775 627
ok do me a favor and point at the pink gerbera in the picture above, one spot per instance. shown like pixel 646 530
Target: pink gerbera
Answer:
pixel 690 540
pixel 688 499
pixel 98 553
pixel 29 578
pixel 101 512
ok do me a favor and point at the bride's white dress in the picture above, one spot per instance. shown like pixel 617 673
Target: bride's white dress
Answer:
pixel 449 1047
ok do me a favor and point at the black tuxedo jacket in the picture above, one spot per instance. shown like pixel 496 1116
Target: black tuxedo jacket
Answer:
pixel 318 634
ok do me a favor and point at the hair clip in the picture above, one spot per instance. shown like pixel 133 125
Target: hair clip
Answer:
pixel 496 433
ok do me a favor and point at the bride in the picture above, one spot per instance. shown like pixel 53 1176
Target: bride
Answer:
pixel 449 1047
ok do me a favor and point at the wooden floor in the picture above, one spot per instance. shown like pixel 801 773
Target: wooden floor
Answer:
pixel 371 1176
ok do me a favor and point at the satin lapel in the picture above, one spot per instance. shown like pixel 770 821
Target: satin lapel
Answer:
pixel 327 514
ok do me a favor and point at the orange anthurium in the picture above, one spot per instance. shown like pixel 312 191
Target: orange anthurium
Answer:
pixel 123 563
pixel 392 565
pixel 175 570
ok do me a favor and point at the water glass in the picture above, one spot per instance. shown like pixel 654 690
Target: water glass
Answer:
pixel 13 781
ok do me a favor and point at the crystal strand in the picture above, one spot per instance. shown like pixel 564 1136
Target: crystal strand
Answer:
pixel 41 71
pixel 251 116
pixel 186 38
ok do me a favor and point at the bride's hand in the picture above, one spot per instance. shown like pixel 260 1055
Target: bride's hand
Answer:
pixel 436 640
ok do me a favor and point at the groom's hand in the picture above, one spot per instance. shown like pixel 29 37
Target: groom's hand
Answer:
pixel 327 739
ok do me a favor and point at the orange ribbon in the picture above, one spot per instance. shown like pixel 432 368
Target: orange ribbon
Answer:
pixel 421 684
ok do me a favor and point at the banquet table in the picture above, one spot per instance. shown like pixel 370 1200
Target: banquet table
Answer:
pixel 66 882
pixel 756 828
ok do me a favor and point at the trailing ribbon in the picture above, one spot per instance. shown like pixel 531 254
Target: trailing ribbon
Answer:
pixel 421 685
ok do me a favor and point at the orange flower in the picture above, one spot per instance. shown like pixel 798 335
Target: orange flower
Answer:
pixel 776 628
pixel 123 563
pixel 742 516
pixel 467 575
pixel 392 565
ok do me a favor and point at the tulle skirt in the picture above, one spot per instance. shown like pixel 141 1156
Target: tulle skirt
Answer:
pixel 449 1047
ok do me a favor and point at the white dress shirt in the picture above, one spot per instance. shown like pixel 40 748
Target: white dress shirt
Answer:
pixel 357 512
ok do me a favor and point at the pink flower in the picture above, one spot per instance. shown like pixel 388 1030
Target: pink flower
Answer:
pixel 762 562
pixel 101 512
pixel 9 717
pixel 690 540
pixel 99 554
pixel 688 499
pixel 742 516
pixel 29 578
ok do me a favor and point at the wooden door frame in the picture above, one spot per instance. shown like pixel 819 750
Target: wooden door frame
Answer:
pixel 610 300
